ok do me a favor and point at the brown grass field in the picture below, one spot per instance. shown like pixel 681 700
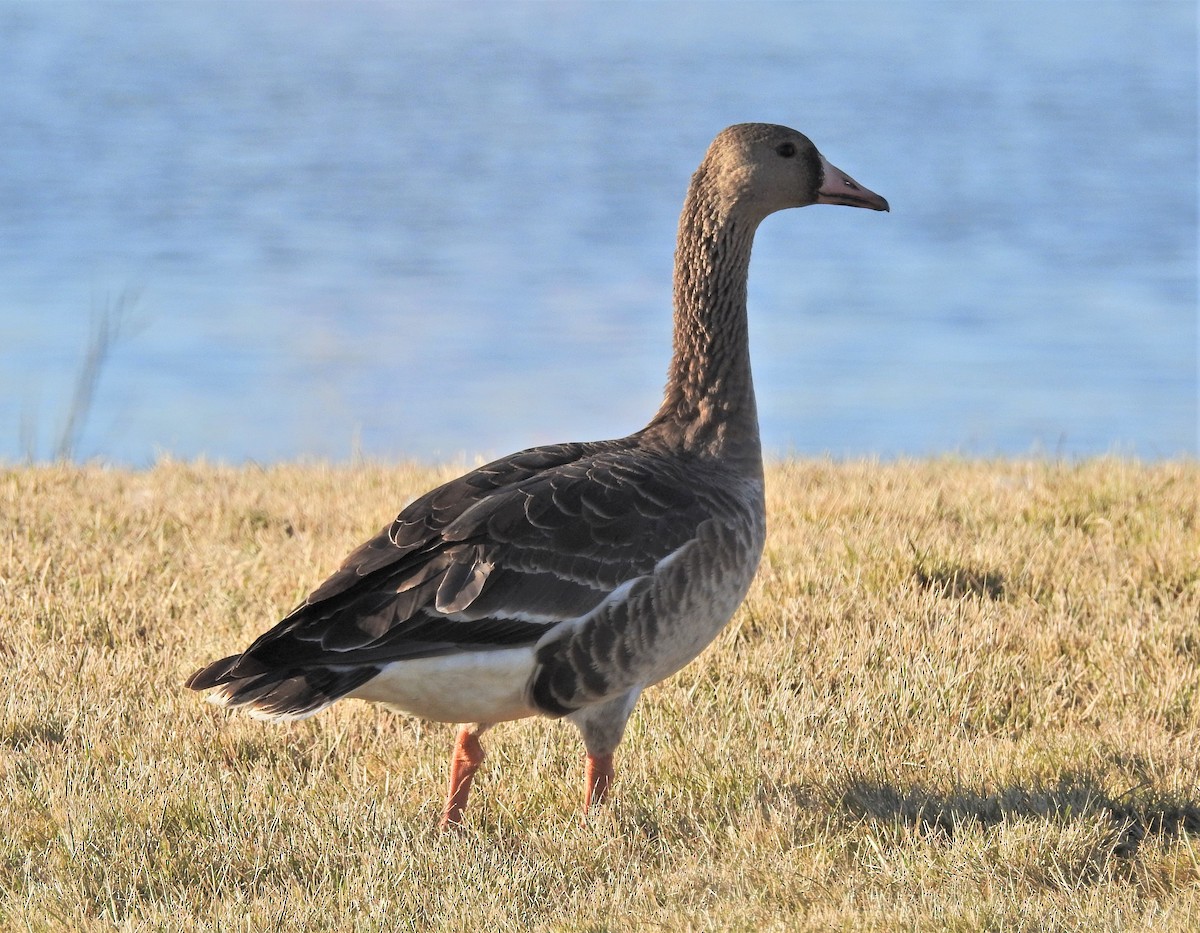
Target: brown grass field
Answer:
pixel 960 696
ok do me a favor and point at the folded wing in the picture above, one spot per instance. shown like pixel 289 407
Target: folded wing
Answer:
pixel 494 559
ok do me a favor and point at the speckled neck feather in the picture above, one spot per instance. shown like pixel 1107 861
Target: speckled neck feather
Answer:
pixel 708 405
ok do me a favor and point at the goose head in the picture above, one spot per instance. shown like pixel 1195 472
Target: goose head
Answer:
pixel 755 169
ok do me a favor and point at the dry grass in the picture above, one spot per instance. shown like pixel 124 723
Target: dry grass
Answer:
pixel 960 696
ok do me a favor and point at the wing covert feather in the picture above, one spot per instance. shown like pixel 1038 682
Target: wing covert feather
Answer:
pixel 496 557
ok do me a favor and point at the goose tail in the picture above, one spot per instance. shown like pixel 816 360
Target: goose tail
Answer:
pixel 277 694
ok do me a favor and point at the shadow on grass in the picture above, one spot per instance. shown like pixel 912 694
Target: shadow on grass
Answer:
pixel 1133 815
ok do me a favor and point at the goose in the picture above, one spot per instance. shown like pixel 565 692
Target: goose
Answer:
pixel 563 580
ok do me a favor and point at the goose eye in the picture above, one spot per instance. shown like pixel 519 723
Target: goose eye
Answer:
pixel 787 150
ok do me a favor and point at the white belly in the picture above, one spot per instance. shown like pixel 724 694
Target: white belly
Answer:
pixel 476 686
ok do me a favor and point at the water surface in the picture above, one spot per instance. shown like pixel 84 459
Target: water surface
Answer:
pixel 426 230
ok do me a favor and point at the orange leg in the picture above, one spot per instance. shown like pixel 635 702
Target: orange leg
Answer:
pixel 597 780
pixel 468 756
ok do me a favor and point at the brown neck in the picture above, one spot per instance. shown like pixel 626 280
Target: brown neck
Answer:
pixel 708 406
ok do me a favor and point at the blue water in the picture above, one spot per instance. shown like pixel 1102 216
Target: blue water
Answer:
pixel 427 230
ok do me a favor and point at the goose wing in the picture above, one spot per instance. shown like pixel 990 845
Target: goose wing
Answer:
pixel 495 558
